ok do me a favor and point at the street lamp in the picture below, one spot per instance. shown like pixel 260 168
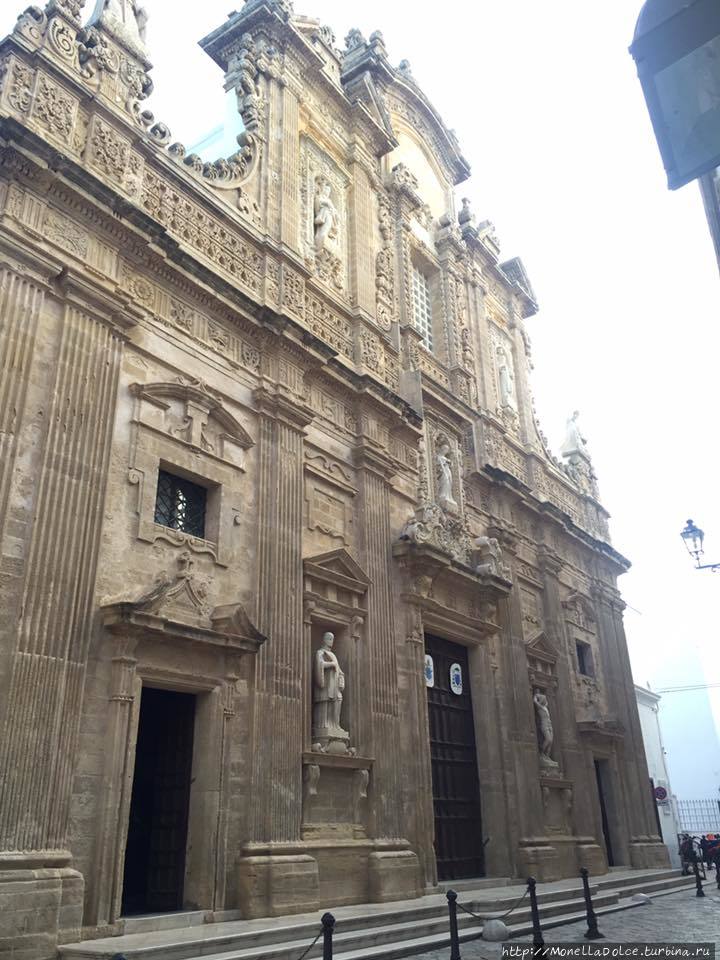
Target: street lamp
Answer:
pixel 693 538
pixel 676 48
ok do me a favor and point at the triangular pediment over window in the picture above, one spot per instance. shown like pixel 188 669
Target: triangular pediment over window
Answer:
pixel 339 568
pixel 542 649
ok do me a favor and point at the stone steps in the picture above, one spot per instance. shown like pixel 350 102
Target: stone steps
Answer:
pixel 380 931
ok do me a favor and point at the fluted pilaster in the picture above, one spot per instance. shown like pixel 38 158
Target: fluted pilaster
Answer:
pixel 376 557
pixel 282 667
pixel 61 547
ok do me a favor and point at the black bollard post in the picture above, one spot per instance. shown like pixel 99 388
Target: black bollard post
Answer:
pixel 328 922
pixel 717 871
pixel 452 913
pixel 538 942
pixel 699 892
pixel 592 932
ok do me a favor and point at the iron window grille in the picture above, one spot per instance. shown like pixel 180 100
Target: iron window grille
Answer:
pixel 422 307
pixel 180 504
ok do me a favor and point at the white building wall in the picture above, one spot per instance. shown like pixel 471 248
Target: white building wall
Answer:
pixel 648 708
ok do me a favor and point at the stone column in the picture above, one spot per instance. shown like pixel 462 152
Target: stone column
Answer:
pixel 416 749
pixel 67 358
pixel 123 715
pixel 646 847
pixel 374 472
pixel 287 168
pixel 568 750
pixel 362 227
pixel 495 769
pixel 516 721
pixel 271 883
pixel 394 870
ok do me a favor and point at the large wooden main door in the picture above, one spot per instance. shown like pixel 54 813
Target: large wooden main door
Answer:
pixel 456 787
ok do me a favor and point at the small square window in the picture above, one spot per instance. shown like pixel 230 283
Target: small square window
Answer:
pixel 584 658
pixel 180 504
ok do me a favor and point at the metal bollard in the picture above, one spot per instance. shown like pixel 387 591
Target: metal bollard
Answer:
pixel 699 892
pixel 538 942
pixel 717 871
pixel 328 922
pixel 592 932
pixel 452 913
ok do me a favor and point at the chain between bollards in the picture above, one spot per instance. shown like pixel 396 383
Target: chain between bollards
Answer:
pixel 452 913
pixel 592 932
pixel 328 922
pixel 538 942
pixel 699 892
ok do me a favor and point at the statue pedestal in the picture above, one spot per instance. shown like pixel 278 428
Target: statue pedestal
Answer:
pixel 332 740
pixel 548 764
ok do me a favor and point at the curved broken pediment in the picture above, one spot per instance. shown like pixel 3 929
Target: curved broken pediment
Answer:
pixel 190 412
pixel 177 607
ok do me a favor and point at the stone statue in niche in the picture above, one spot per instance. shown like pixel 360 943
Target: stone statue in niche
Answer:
pixel 443 460
pixel 490 561
pixel 506 380
pixel 328 685
pixel 326 217
pixel 546 734
pixel 124 19
pixel 574 441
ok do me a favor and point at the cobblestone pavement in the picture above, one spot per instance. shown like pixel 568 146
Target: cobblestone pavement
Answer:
pixel 674 918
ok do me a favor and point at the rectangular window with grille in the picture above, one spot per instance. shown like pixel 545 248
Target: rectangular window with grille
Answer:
pixel 180 504
pixel 422 307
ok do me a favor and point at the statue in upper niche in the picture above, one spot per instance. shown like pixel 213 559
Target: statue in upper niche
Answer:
pixel 546 734
pixel 326 217
pixel 445 478
pixel 574 442
pixel 328 686
pixel 124 19
pixel 506 381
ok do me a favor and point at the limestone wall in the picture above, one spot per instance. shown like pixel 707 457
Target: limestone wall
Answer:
pixel 250 325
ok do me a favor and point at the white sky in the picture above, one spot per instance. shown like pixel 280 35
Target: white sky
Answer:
pixel 549 113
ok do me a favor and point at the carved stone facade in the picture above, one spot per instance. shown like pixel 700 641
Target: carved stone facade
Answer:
pixel 247 331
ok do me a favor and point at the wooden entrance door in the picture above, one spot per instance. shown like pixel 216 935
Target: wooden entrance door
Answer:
pixel 456 787
pixel 601 775
pixel 157 833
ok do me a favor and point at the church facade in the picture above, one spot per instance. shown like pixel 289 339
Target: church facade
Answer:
pixel 298 609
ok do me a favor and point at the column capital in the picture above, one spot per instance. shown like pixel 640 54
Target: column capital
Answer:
pixel 548 560
pixel 367 456
pixel 276 403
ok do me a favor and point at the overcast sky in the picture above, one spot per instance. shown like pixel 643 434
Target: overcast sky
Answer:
pixel 549 113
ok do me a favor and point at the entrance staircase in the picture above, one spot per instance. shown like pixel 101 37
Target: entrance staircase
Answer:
pixel 374 931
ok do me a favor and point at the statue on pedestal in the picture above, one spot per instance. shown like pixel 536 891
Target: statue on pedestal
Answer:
pixel 445 478
pixel 546 734
pixel 328 686
pixel 326 217
pixel 506 380
pixel 574 442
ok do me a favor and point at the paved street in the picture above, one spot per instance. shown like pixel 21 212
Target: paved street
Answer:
pixel 674 918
